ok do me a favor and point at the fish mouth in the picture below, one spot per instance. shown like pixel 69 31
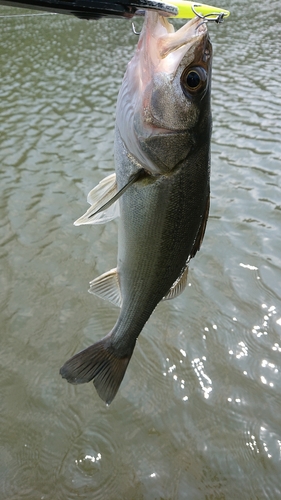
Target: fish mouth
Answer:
pixel 167 108
pixel 175 40
pixel 170 54
pixel 162 48
pixel 152 104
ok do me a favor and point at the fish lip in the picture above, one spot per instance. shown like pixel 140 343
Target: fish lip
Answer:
pixel 177 44
pixel 161 47
pixel 161 131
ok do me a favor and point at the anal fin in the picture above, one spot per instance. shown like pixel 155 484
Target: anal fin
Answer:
pixel 107 287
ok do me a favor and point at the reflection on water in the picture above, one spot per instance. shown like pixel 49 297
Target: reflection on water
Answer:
pixel 198 413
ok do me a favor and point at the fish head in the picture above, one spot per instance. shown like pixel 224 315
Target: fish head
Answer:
pixel 166 94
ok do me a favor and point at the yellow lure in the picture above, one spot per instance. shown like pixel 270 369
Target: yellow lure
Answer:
pixel 188 10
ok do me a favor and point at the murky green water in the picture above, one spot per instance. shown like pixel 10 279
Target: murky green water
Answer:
pixel 198 415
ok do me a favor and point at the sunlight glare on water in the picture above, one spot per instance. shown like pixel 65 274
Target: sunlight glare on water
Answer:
pixel 198 413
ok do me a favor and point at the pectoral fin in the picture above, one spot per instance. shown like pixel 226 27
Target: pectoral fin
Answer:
pixel 98 197
pixel 103 196
pixel 107 287
pixel 179 285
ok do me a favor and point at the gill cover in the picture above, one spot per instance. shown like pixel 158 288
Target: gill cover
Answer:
pixel 161 92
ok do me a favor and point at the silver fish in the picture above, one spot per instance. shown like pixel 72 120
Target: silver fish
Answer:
pixel 162 157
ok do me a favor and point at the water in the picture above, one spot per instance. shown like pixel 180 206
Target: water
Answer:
pixel 198 413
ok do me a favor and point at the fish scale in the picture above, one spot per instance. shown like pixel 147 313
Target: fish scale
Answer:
pixel 162 163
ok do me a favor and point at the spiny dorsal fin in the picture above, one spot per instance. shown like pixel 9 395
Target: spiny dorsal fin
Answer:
pixel 201 232
pixel 107 287
pixel 98 197
pixel 179 285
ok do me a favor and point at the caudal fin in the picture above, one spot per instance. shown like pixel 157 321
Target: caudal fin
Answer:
pixel 100 364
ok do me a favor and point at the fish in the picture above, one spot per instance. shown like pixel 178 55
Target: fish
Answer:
pixel 160 189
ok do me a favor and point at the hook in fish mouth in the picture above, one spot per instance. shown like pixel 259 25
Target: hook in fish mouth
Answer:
pixel 218 19
pixel 205 18
pixel 134 30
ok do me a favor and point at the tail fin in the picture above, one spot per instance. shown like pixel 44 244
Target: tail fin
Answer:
pixel 100 364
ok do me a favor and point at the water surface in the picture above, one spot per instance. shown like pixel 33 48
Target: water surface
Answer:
pixel 198 415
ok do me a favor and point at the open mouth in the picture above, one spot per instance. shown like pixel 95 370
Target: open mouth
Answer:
pixel 164 47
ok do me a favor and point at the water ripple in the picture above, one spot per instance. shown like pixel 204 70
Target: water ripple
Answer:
pixel 198 412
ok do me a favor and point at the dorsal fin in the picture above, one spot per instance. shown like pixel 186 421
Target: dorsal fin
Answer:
pixel 179 285
pixel 201 232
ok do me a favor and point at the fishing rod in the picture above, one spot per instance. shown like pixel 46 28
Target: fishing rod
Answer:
pixel 95 9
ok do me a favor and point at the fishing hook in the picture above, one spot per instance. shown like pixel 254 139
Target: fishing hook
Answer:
pixel 134 30
pixel 218 19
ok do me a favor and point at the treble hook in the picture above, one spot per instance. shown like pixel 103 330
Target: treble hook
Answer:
pixel 134 30
pixel 218 19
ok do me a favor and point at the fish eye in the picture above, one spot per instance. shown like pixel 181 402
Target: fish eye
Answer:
pixel 194 80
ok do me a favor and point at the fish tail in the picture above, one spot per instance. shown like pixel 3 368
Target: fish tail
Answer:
pixel 99 363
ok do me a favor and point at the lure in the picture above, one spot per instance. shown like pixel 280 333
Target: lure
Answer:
pixel 188 10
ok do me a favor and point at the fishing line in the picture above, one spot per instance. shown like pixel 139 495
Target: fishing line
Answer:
pixel 31 15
